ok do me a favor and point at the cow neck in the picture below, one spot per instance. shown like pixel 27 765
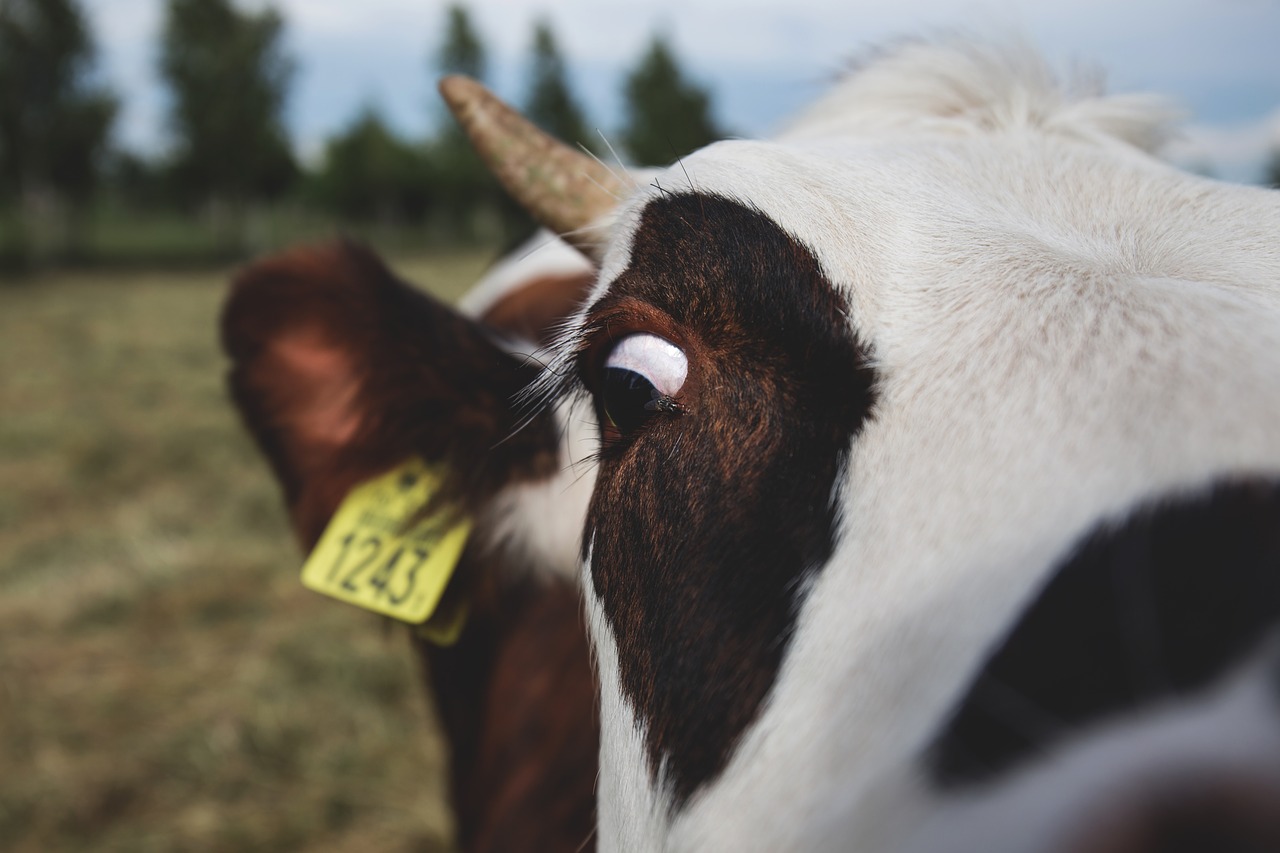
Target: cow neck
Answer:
pixel 516 697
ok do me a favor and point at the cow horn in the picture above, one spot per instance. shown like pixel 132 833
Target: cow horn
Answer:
pixel 566 190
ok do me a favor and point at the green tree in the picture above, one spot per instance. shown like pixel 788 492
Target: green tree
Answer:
pixel 667 116
pixel 55 123
pixel 137 181
pixel 371 174
pixel 1272 177
pixel 461 51
pixel 551 105
pixel 228 80
pixel 470 201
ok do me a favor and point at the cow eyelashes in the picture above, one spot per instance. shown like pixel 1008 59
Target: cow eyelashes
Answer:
pixel 641 376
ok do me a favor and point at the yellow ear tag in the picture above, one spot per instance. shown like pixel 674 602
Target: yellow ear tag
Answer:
pixel 374 555
pixel 446 624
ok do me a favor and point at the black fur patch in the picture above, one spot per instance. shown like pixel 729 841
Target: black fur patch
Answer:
pixel 1156 607
pixel 707 519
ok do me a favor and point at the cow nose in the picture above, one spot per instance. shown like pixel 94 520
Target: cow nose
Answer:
pixel 1144 610
pixel 1240 815
pixel 1194 775
pixel 1211 813
pixel 1223 796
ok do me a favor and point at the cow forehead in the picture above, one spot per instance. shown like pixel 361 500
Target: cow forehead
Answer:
pixel 1061 329
pixel 894 218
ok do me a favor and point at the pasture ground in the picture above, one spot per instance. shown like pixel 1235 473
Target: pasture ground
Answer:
pixel 165 682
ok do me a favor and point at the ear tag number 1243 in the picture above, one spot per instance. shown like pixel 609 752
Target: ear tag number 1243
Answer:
pixel 376 556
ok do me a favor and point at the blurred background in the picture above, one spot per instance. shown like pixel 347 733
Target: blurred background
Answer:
pixel 165 682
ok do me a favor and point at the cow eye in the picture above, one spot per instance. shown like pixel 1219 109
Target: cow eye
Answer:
pixel 641 376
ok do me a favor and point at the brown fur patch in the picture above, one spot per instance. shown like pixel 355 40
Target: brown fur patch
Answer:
pixel 517 699
pixel 324 412
pixel 535 310
pixel 707 519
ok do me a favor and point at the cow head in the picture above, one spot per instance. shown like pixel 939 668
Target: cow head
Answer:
pixel 938 495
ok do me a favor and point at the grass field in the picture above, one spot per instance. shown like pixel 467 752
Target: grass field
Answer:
pixel 165 682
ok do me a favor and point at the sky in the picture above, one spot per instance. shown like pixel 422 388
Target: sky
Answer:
pixel 1219 59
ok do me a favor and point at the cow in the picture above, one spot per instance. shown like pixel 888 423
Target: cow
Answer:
pixel 934 503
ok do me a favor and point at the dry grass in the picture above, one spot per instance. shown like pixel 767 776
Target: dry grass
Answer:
pixel 165 682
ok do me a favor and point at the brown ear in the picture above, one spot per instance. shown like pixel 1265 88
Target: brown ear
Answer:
pixel 341 371
pixel 535 310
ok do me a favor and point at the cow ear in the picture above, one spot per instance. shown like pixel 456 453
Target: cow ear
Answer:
pixel 341 371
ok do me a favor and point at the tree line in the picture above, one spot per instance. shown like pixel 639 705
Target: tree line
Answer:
pixel 228 78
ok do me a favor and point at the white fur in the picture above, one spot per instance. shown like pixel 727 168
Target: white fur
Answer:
pixel 539 525
pixel 636 815
pixel 542 254
pixel 1063 326
pixel 965 87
